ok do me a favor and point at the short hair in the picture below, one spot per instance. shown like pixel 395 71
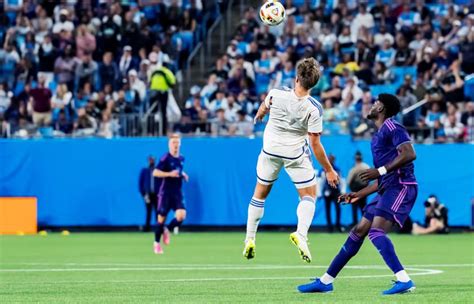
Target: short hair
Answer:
pixel 174 136
pixel 308 72
pixel 391 104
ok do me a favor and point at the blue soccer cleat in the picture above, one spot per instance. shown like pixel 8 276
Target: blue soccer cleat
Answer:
pixel 400 287
pixel 315 286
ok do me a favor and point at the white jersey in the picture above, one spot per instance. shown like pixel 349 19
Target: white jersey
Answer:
pixel 291 118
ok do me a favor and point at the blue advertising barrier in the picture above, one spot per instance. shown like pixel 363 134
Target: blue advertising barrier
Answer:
pixel 82 182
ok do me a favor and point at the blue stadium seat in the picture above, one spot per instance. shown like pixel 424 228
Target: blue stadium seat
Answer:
pixel 261 82
pixel 19 87
pixel 46 131
pixel 469 87
pixel 383 88
pixel 53 85
pixel 400 73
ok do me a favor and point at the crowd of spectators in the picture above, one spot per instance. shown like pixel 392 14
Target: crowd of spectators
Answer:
pixel 77 66
pixel 70 68
pixel 416 50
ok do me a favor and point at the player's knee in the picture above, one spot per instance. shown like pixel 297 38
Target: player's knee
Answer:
pixel 180 216
pixel 361 230
pixel 161 219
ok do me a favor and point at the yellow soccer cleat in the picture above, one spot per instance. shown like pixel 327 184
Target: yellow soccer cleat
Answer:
pixel 301 243
pixel 249 249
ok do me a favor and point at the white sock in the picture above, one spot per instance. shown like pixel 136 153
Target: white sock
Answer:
pixel 255 213
pixel 326 279
pixel 305 213
pixel 402 276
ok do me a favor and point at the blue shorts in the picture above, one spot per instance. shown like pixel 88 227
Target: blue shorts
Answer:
pixel 393 203
pixel 166 203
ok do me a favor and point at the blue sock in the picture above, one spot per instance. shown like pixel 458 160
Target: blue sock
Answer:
pixel 385 247
pixel 348 250
pixel 174 223
pixel 159 232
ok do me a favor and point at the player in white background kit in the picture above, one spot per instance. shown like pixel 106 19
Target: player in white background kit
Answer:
pixel 295 118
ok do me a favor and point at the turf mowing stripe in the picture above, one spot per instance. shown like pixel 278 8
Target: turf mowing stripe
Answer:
pixel 423 272
pixel 270 267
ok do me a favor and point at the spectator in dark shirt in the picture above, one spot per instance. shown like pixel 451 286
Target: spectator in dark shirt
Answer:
pixel 149 187
pixel 108 71
pixel 47 54
pixel 41 104
pixel 331 195
pixel 428 62
pixel 63 124
pixel 436 218
pixel 403 56
pixel 265 39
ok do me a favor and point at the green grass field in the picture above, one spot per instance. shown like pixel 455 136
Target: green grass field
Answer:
pixel 209 268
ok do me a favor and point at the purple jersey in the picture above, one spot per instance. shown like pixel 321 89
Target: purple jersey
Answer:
pixel 384 147
pixel 171 185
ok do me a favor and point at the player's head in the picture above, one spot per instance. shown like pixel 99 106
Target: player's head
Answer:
pixel 307 73
pixel 387 105
pixel 174 143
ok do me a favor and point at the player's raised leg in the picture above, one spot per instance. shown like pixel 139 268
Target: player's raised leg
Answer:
pixel 303 176
pixel 305 214
pixel 268 168
pixel 255 214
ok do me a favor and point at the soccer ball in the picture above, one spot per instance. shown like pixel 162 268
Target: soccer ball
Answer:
pixel 272 13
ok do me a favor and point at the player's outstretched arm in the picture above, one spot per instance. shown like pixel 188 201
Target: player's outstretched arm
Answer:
pixel 262 111
pixel 318 150
pixel 163 174
pixel 353 197
pixel 406 155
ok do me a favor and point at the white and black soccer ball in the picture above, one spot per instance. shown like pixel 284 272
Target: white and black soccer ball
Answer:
pixel 272 13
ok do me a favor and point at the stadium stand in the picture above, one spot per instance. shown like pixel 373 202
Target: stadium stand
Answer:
pixel 419 52
pixel 94 61
pixel 76 68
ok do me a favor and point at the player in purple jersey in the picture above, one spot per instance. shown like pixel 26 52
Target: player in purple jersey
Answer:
pixel 170 196
pixel 396 189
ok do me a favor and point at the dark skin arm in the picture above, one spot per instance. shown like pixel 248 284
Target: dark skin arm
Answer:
pixel 353 197
pixel 406 155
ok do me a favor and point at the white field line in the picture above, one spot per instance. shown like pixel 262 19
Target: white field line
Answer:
pixel 420 273
pixel 185 267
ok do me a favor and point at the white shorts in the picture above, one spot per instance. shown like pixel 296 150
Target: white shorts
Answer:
pixel 300 169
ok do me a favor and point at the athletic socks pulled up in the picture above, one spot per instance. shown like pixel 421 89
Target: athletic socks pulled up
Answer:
pixel 385 247
pixel 174 223
pixel 158 232
pixel 255 214
pixel 305 213
pixel 348 250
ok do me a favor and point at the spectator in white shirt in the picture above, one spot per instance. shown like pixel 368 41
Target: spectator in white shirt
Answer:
pixel 137 85
pixel 63 24
pixel 453 129
pixel 243 126
pixel 352 88
pixel 382 36
pixel 363 18
pixel 5 98
pixel 408 18
pixel 220 102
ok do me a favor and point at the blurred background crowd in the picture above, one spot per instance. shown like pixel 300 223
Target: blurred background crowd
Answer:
pixel 97 68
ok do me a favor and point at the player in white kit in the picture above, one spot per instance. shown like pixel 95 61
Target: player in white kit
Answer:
pixel 296 121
